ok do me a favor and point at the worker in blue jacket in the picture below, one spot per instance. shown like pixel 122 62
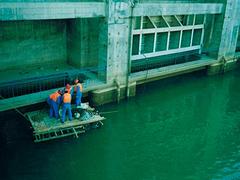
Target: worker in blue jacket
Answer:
pixel 78 89
pixel 54 101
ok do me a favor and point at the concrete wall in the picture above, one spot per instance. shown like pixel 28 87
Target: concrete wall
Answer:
pixel 213 31
pixel 212 37
pixel 101 42
pixel 82 43
pixel 32 43
pixel 238 41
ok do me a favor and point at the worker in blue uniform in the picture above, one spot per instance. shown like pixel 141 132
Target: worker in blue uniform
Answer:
pixel 78 89
pixel 54 101
pixel 66 106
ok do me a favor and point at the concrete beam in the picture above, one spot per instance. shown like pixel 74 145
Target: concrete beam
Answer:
pixel 37 11
pixel 157 9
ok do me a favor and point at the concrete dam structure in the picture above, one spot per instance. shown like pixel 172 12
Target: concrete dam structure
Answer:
pixel 112 45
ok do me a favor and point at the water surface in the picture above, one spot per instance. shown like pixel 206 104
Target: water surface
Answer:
pixel 186 127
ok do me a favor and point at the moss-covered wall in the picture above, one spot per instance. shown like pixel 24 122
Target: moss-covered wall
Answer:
pixel 82 44
pixel 32 43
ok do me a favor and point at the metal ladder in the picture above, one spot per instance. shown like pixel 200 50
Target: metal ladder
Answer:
pixel 58 133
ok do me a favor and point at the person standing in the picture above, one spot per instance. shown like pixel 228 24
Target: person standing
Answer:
pixel 68 88
pixel 66 106
pixel 78 89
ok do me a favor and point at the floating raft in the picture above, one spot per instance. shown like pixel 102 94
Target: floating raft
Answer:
pixel 46 128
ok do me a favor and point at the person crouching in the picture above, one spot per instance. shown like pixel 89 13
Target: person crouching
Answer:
pixel 54 101
pixel 66 106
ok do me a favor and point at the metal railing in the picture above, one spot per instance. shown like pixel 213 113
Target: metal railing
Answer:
pixel 152 63
pixel 32 85
pixel 40 83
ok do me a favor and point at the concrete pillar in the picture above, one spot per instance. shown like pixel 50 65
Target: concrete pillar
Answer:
pixel 84 42
pixel 76 43
pixel 229 35
pixel 118 42
pixel 230 30
pixel 228 41
pixel 116 59
pixel 102 48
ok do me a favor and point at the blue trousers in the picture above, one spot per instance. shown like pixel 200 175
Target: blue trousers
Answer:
pixel 53 108
pixel 78 100
pixel 66 108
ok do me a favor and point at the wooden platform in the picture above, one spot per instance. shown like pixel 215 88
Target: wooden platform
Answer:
pixel 46 128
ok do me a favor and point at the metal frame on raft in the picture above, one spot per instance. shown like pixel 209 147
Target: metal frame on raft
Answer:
pixel 45 128
pixel 59 133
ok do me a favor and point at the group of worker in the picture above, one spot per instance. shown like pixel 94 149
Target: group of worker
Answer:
pixel 64 97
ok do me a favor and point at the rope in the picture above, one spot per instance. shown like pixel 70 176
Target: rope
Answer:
pixel 18 111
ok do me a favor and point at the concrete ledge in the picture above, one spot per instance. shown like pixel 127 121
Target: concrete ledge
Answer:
pixel 107 95
pixel 237 55
pixel 157 9
pixel 221 67
pixel 230 65
pixel 214 69
pixel 98 94
pixel 169 71
pixel 50 10
pixel 39 97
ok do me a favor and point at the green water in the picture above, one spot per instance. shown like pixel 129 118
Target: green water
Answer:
pixel 186 127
